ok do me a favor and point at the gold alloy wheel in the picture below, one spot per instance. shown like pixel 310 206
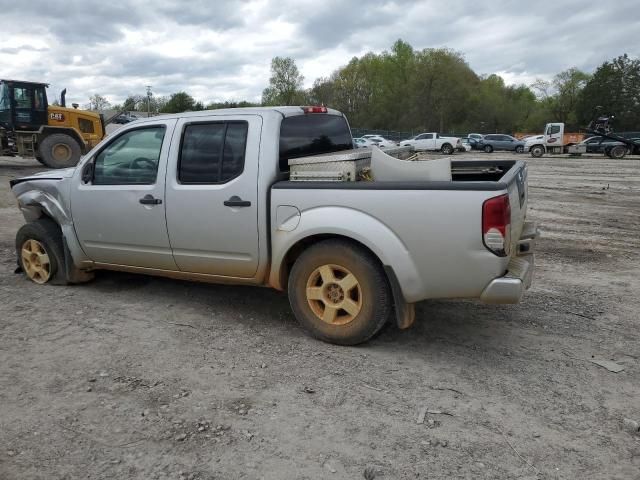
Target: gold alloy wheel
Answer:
pixel 61 152
pixel 334 294
pixel 35 261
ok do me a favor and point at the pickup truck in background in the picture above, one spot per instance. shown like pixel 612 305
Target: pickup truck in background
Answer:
pixel 433 142
pixel 206 196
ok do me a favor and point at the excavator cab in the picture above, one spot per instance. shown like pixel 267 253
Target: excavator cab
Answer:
pixel 23 105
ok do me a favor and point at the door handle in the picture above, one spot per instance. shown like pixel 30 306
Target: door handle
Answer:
pixel 149 200
pixel 236 201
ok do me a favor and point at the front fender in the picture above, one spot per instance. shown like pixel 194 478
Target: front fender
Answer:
pixel 355 225
pixel 38 197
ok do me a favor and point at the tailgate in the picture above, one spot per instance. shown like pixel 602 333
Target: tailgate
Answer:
pixel 517 187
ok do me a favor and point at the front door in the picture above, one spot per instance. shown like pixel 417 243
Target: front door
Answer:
pixel 212 195
pixel 29 106
pixel 554 134
pixel 119 212
pixel 425 142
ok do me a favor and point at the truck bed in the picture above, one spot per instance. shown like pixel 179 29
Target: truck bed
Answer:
pixel 435 226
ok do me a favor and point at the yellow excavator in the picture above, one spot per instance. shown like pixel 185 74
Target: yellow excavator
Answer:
pixel 56 136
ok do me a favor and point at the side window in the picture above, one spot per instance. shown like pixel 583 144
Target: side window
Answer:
pixel 428 136
pixel 86 126
pixel 212 152
pixel 39 103
pixel 554 129
pixel 421 137
pixel 22 97
pixel 131 159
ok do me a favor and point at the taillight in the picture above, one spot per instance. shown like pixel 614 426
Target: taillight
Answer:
pixel 496 223
pixel 314 109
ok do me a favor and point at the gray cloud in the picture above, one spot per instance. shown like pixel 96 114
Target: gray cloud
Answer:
pixel 221 50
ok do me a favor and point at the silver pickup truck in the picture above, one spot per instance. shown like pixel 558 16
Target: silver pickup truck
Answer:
pixel 206 196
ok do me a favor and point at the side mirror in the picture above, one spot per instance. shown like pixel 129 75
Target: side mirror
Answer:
pixel 87 172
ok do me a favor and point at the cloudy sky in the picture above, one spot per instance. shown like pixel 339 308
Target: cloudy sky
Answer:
pixel 221 50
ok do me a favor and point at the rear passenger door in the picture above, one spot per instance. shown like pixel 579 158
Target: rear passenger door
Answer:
pixel 212 195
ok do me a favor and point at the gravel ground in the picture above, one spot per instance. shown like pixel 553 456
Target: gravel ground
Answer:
pixel 137 377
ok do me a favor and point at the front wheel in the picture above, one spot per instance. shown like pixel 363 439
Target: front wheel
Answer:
pixel 339 292
pixel 40 251
pixel 519 149
pixel 59 151
pixel 488 149
pixel 446 149
pixel 537 151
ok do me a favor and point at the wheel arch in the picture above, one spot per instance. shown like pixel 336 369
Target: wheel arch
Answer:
pixel 371 234
pixel 36 203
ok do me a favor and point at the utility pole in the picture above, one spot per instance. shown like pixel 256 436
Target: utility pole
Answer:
pixel 149 100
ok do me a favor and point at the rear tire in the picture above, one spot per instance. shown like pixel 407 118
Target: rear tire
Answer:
pixel 339 292
pixel 617 152
pixel 40 251
pixel 59 151
pixel 488 148
pixel 446 149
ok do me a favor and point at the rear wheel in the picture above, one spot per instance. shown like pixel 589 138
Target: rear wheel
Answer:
pixel 59 151
pixel 40 251
pixel 617 152
pixel 537 151
pixel 339 293
pixel 488 148
pixel 446 149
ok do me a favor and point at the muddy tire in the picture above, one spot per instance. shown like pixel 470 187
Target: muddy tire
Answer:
pixel 59 151
pixel 537 151
pixel 488 148
pixel 446 149
pixel 339 292
pixel 40 251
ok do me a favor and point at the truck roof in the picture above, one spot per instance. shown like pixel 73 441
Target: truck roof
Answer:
pixel 285 111
pixel 6 80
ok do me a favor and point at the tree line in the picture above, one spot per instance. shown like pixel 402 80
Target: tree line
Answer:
pixel 435 89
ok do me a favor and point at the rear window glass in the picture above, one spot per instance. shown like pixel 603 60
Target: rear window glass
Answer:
pixel 312 134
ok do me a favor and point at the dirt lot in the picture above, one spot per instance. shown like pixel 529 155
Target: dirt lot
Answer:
pixel 136 377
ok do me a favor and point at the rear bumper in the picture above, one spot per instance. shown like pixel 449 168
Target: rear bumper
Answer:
pixel 511 287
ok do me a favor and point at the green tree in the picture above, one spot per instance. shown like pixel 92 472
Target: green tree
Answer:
pixel 560 96
pixel 285 83
pixel 614 89
pixel 181 102
pixel 98 102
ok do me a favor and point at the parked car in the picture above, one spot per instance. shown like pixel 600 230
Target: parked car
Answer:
pixel 492 142
pixel 465 144
pixel 379 141
pixel 361 142
pixel 124 118
pixel 636 148
pixel 205 196
pixel 474 140
pixel 599 144
pixel 432 141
